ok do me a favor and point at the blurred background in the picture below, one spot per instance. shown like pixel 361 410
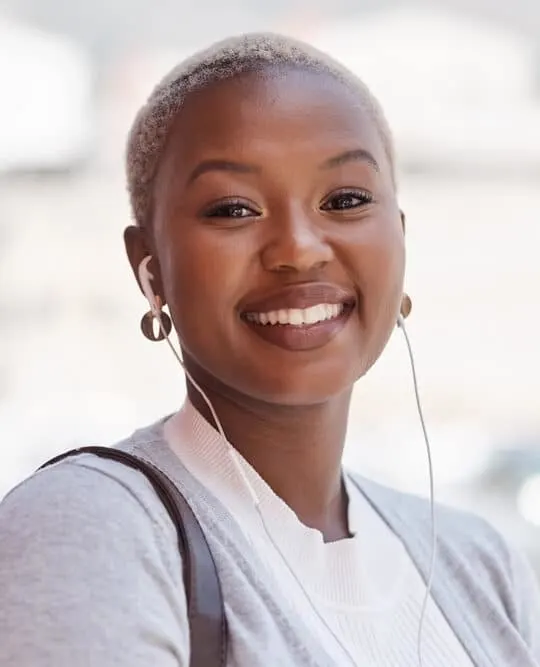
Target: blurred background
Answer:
pixel 460 81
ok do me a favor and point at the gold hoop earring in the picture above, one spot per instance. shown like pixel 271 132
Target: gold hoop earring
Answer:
pixel 149 320
pixel 406 306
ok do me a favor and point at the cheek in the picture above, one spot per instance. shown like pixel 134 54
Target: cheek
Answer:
pixel 379 265
pixel 379 258
pixel 388 263
pixel 203 278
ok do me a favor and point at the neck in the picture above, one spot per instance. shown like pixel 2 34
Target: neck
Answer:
pixel 296 450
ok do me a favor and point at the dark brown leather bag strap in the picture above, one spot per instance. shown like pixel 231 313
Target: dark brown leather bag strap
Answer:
pixel 206 612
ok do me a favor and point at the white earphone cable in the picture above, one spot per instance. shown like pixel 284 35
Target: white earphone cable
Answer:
pixel 240 469
pixel 431 572
pixel 145 277
pixel 255 499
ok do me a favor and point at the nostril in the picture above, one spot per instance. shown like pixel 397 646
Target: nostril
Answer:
pixel 302 252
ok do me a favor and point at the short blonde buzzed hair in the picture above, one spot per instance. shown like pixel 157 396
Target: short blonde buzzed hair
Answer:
pixel 224 60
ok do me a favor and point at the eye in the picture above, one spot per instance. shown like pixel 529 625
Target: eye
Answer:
pixel 231 209
pixel 344 200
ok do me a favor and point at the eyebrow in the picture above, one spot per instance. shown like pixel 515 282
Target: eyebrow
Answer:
pixel 222 165
pixel 358 154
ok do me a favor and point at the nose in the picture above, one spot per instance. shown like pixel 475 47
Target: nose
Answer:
pixel 296 244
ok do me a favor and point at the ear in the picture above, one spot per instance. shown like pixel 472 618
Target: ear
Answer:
pixel 137 248
pixel 403 220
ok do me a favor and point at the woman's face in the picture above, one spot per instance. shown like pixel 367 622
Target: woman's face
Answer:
pixel 278 238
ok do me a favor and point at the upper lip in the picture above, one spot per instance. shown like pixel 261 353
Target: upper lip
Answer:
pixel 300 295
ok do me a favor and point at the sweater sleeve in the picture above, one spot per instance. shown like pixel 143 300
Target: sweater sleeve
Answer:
pixel 89 572
pixel 527 596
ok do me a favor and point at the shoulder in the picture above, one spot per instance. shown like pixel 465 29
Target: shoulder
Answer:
pixel 88 489
pixel 466 531
pixel 89 508
pixel 83 544
pixel 472 552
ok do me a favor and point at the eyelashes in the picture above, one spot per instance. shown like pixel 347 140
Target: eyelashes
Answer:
pixel 346 200
pixel 341 201
pixel 233 208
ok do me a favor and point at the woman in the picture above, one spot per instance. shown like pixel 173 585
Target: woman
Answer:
pixel 261 177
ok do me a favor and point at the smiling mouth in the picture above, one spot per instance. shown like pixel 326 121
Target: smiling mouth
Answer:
pixel 300 317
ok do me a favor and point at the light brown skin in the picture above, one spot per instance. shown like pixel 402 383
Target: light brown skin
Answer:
pixel 285 412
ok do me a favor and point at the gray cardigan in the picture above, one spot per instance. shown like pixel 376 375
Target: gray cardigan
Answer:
pixel 90 574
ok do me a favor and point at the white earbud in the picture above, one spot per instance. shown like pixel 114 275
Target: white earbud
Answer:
pixel 145 279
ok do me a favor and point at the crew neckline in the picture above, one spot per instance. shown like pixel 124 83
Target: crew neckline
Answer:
pixel 357 573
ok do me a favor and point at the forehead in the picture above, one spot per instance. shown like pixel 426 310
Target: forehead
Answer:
pixel 270 114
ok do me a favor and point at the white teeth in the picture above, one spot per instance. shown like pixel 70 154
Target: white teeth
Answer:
pixel 315 314
pixel 298 316
pixel 283 317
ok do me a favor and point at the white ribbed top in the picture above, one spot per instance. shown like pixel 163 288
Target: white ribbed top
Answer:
pixel 366 588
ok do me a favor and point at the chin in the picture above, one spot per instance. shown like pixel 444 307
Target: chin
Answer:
pixel 291 380
pixel 304 387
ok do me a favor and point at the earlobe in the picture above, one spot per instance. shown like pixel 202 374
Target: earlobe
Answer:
pixel 406 306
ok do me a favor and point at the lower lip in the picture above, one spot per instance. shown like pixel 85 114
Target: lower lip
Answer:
pixel 305 337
